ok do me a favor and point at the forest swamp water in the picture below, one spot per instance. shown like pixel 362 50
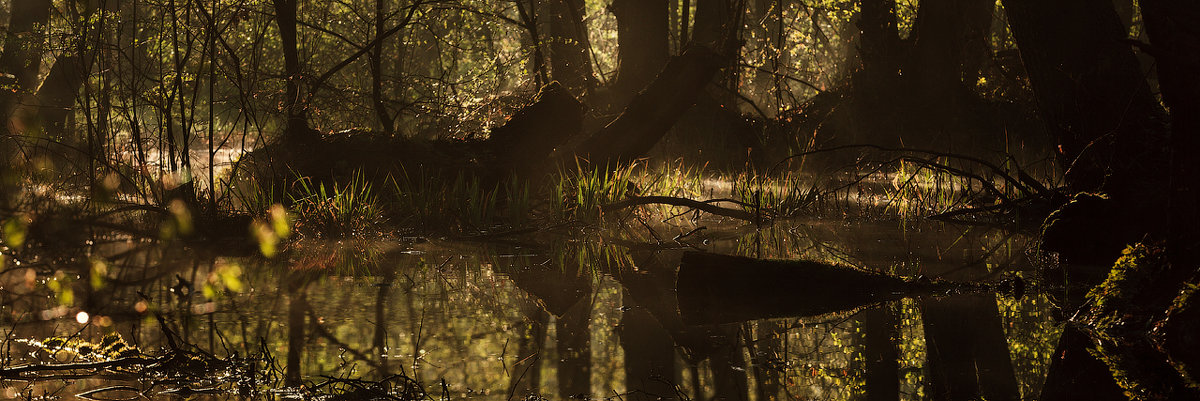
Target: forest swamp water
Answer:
pixel 591 314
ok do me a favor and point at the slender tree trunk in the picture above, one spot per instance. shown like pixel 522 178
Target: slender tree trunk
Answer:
pixel 569 59
pixel 528 14
pixel 685 21
pixel 376 60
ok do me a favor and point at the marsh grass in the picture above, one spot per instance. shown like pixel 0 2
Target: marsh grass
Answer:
pixel 350 209
pixel 774 196
pixel 580 192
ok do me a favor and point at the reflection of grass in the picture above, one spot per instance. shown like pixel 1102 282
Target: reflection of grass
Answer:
pixel 459 202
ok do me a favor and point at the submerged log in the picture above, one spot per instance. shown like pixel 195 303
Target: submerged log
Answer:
pixel 720 288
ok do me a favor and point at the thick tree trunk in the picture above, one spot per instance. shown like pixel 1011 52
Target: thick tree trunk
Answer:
pixel 649 353
pixel 718 288
pixel 881 353
pixel 532 134
pixel 1175 37
pixel 951 45
pixel 880 44
pixel 1092 94
pixel 642 44
pixel 569 59
pixel 966 348
pixel 715 25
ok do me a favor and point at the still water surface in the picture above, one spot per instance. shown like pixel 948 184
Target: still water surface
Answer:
pixel 585 313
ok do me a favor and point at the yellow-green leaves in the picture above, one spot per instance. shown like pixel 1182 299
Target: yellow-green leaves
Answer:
pixel 227 275
pixel 15 229
pixel 269 233
pixel 99 273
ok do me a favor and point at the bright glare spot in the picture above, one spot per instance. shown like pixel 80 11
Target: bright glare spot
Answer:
pixel 82 317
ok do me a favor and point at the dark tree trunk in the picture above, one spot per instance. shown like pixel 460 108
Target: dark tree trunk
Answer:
pixel 768 357
pixel 728 366
pixel 56 97
pixel 1092 94
pixel 376 59
pixel 951 45
pixel 525 376
pixel 642 44
pixel 881 354
pixel 967 351
pixel 649 353
pixel 1175 37
pixel 715 25
pixel 296 130
pixel 880 45
pixel 1075 373
pixel 569 59
pixel 718 27
pixel 296 322
pixel 528 14
pixel 573 344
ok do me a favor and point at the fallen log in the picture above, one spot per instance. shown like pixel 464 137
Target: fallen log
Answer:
pixel 715 288
pixel 552 118
pixel 655 110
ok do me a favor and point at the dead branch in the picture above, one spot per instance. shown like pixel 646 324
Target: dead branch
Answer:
pixel 704 206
